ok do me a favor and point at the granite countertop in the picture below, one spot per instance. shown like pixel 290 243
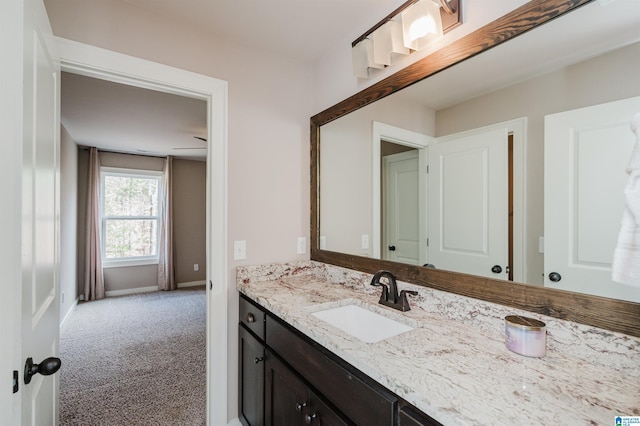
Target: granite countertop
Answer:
pixel 454 365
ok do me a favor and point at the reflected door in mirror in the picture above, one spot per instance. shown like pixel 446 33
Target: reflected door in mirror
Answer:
pixel 586 153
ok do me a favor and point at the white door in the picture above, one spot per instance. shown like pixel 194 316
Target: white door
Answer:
pixel 586 153
pixel 32 228
pixel 468 203
pixel 401 207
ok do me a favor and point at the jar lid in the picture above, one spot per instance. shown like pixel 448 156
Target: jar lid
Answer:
pixel 525 322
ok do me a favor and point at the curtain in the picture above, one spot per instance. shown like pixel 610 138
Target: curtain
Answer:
pixel 166 278
pixel 93 275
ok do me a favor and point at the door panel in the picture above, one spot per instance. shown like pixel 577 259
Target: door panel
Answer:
pixel 468 203
pixel 40 214
pixel 401 207
pixel 586 153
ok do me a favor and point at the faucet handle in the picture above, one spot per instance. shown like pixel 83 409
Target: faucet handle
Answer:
pixel 403 302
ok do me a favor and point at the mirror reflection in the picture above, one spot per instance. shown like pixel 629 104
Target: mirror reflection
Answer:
pixel 509 165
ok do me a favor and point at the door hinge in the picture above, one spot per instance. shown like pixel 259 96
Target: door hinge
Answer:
pixel 427 169
pixel 427 242
pixel 16 380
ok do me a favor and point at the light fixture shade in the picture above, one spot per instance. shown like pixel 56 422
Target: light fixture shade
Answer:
pixel 421 24
pixel 362 58
pixel 387 41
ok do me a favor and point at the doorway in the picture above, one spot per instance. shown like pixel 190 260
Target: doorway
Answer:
pixel 106 65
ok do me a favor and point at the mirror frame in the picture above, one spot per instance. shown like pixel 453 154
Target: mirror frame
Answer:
pixel 610 314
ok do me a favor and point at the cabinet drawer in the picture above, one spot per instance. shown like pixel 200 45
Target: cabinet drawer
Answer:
pixel 359 401
pixel 252 317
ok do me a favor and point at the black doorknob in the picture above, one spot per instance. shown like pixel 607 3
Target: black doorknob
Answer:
pixel 392 248
pixel 555 277
pixel 496 269
pixel 46 368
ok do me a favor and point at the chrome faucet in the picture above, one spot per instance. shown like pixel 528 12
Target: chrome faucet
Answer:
pixel 389 296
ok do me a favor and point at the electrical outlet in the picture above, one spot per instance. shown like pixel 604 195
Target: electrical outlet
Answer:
pixel 196 267
pixel 323 242
pixel 239 250
pixel 302 245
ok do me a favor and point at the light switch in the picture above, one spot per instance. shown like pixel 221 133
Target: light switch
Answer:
pixel 365 241
pixel 196 267
pixel 541 244
pixel 302 245
pixel 239 250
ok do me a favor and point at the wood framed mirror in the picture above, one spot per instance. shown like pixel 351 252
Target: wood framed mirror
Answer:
pixel 611 314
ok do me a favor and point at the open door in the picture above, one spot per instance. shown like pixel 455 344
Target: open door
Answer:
pixel 468 203
pixel 401 210
pixel 31 237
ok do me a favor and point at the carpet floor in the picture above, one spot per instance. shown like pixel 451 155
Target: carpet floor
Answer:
pixel 135 360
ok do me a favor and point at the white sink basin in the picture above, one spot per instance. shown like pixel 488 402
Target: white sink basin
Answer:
pixel 362 323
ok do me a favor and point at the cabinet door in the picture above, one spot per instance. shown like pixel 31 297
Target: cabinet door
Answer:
pixel 319 413
pixel 286 396
pixel 251 379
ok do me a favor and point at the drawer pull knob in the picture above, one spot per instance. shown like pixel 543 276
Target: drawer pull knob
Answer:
pixel 259 359
pixel 309 418
pixel 250 318
pixel 300 406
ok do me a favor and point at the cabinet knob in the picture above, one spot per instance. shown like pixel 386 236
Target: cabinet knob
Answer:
pixel 300 406
pixel 259 359
pixel 310 417
pixel 250 318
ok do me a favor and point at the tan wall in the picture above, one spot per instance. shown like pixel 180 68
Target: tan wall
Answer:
pixel 189 219
pixel 68 222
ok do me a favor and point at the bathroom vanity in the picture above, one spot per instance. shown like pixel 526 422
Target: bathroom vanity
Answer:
pixel 451 368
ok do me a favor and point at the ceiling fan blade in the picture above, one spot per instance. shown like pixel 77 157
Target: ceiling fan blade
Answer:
pixel 199 147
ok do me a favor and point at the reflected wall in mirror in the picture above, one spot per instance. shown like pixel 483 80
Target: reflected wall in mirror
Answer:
pixel 546 78
pixel 470 195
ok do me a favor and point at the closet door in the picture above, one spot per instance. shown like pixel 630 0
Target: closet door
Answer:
pixel 586 153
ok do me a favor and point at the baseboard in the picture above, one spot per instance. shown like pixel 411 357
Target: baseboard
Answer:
pixel 192 284
pixel 130 291
pixel 234 422
pixel 69 312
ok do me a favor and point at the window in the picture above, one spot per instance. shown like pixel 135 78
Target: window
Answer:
pixel 130 216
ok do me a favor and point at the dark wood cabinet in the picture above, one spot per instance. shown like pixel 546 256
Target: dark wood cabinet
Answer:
pixel 409 416
pixel 289 401
pixel 251 354
pixel 286 379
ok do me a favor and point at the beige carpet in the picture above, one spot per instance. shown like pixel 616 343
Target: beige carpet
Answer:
pixel 135 360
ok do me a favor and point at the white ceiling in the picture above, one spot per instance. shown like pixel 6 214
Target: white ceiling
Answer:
pixel 300 29
pixel 128 119
pixel 121 118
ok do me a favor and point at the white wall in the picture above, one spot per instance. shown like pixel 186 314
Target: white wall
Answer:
pixel 334 80
pixel 68 222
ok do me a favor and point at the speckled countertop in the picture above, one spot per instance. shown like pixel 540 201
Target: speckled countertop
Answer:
pixel 454 365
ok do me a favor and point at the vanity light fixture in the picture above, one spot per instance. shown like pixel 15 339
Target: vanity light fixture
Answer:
pixel 412 26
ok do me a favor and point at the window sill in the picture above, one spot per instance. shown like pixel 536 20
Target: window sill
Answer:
pixel 129 262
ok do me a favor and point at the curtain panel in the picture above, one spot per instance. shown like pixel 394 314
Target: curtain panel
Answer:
pixel 93 276
pixel 166 273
